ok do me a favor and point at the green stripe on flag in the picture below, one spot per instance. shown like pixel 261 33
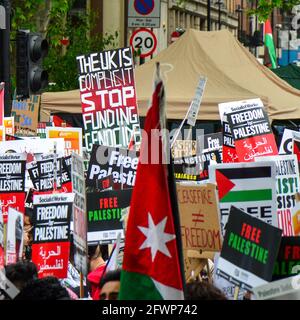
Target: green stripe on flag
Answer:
pixel 136 286
pixel 248 195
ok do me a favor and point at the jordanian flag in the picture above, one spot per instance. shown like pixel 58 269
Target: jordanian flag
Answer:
pixel 269 43
pixel 247 186
pixel 151 268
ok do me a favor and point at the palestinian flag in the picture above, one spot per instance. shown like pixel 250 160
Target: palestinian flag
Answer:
pixel 248 186
pixel 151 265
pixel 269 43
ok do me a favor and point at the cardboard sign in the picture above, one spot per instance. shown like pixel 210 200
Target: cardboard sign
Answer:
pixel 72 137
pixel 249 250
pixel 79 214
pixel 248 186
pixel 26 113
pixel 12 182
pixel 229 151
pixel 287 175
pixel 9 125
pixel 251 130
pixel 104 211
pixel 1 240
pixel 284 289
pixel 51 234
pixel 288 258
pixel 184 148
pixel 14 236
pixel 199 217
pixel 108 97
pixel 121 163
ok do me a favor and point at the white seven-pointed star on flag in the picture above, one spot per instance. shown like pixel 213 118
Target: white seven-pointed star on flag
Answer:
pixel 156 238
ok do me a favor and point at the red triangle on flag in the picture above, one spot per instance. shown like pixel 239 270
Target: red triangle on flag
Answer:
pixel 297 149
pixel 224 184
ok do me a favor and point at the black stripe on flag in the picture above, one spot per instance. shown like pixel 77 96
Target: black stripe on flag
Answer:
pixel 246 173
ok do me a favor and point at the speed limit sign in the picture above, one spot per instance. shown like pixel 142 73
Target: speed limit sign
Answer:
pixel 143 40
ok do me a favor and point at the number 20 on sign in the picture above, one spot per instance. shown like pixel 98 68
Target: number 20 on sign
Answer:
pixel 143 40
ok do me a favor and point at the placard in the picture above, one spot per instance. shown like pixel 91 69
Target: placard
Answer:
pixel 79 214
pixel 121 163
pixel 104 211
pixel 51 234
pixel 249 186
pixel 287 175
pixel 249 250
pixel 108 98
pixel 71 136
pixel 26 113
pixel 199 217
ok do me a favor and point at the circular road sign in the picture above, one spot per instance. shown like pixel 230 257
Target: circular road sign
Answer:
pixel 143 40
pixel 144 7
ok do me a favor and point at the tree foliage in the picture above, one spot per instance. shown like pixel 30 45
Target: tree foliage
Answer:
pixel 55 19
pixel 266 7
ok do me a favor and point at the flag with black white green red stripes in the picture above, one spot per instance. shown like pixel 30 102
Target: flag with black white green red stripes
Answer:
pixel 247 186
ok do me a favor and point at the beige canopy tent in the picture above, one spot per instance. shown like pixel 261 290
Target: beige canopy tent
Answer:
pixel 233 74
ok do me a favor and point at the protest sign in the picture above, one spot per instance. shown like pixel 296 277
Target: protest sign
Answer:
pixel 186 162
pixel 108 98
pixel 287 175
pixel 251 130
pixel 225 286
pixel 296 145
pixel 2 133
pixel 1 240
pixel 284 289
pixel 296 216
pixel 72 137
pixel 249 186
pixel 229 151
pixel 104 211
pixel 184 148
pixel 26 113
pixel 199 217
pixel 12 182
pixel 121 163
pixel 9 125
pixel 79 214
pixel 209 148
pixel 288 259
pixel 286 145
pixel 14 236
pixel 51 233
pixel 249 250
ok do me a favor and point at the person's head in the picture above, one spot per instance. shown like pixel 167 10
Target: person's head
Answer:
pixel 203 291
pixel 97 255
pixel 21 273
pixel 48 288
pixel 110 285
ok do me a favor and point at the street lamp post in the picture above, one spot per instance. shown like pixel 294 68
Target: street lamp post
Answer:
pixel 219 3
pixel 238 10
pixel 278 28
pixel 208 15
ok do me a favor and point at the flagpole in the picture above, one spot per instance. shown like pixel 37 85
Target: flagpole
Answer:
pixel 171 181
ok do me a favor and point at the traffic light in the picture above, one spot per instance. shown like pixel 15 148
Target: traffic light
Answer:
pixel 31 49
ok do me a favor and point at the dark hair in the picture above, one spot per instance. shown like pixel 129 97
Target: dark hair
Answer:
pixel 21 273
pixel 203 291
pixel 48 288
pixel 110 276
